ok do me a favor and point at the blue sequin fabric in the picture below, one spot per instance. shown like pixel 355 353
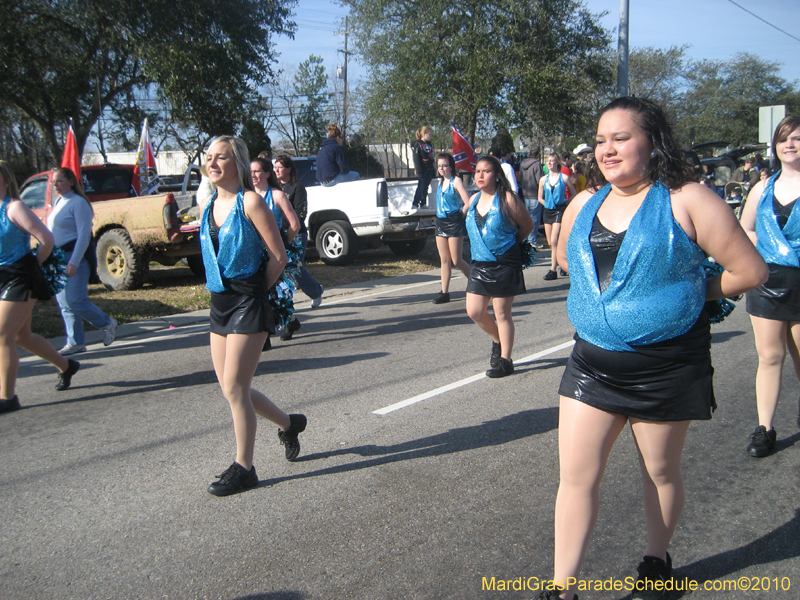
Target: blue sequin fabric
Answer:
pixel 554 195
pixel 658 285
pixel 276 212
pixel 447 201
pixel 240 247
pixel 14 243
pixel 777 246
pixel 495 238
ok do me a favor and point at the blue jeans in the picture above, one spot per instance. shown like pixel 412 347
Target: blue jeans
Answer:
pixel 421 195
pixel 536 214
pixel 342 178
pixel 74 303
pixel 305 280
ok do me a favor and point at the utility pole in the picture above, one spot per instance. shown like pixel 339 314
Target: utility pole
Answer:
pixel 344 99
pixel 622 49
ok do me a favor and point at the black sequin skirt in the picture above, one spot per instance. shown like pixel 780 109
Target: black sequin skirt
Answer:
pixel 453 225
pixel 23 279
pixel 502 278
pixel 243 307
pixel 666 381
pixel 554 215
pixel 779 297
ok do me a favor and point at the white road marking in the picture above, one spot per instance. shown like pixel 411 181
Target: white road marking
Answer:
pixel 452 386
pixel 388 290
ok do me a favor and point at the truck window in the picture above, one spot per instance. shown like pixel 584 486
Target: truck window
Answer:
pixel 107 181
pixel 34 193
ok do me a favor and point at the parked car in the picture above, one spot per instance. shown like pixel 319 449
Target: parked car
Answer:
pixel 724 160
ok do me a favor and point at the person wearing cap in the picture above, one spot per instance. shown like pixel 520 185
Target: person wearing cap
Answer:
pixel 584 152
pixel 747 173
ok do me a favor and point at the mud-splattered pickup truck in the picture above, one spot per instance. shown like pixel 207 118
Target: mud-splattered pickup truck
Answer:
pixel 129 230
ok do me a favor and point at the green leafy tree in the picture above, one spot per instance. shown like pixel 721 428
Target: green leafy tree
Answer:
pixel 311 83
pixel 723 97
pixel 255 136
pixel 62 59
pixel 510 61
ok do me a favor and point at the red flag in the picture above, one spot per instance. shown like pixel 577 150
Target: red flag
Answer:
pixel 71 159
pixel 463 152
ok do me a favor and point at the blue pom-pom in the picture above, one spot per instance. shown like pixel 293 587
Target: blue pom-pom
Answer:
pixel 281 300
pixel 716 310
pixel 528 253
pixel 55 269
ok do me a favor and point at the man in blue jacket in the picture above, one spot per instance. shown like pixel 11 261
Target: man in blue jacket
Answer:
pixel 332 164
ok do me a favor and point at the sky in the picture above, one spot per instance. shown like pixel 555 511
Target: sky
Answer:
pixel 714 29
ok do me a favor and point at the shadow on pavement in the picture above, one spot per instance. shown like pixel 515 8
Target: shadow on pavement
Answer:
pixel 491 433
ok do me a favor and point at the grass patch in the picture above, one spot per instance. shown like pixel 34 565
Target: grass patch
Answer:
pixel 172 290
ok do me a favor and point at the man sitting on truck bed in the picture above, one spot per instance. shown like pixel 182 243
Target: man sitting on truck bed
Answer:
pixel 332 164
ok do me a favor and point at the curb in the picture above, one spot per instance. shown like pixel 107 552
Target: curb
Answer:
pixel 135 328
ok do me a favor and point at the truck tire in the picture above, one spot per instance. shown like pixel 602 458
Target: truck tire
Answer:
pixel 120 265
pixel 196 265
pixel 337 243
pixel 407 247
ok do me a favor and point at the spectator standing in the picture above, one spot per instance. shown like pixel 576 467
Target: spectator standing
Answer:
pixel 71 224
pixel 746 173
pixel 424 165
pixel 504 155
pixel 332 164
pixel 530 173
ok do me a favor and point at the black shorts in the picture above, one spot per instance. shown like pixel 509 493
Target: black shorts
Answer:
pixel 243 308
pixel 779 297
pixel 23 279
pixel 453 225
pixel 554 215
pixel 502 278
pixel 665 381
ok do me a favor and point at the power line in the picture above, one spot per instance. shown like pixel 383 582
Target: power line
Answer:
pixel 763 21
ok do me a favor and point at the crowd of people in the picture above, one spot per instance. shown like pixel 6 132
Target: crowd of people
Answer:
pixel 648 250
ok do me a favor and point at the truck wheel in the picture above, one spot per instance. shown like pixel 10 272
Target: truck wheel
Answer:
pixel 195 263
pixel 337 243
pixel 407 247
pixel 119 264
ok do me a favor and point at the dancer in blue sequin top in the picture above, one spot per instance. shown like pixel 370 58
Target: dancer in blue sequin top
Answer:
pixel 451 203
pixel 634 250
pixel 21 284
pixel 771 217
pixel 553 189
pixel 237 225
pixel 496 222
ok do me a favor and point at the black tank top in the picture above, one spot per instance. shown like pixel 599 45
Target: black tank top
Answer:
pixel 782 212
pixel 605 246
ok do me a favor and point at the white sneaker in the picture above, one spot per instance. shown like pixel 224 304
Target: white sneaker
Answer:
pixel 317 301
pixel 110 332
pixel 72 349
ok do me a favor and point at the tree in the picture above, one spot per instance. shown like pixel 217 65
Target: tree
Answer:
pixel 62 59
pixel 310 83
pixel 511 61
pixel 722 99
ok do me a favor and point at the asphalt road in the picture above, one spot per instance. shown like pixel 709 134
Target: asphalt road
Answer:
pixel 418 477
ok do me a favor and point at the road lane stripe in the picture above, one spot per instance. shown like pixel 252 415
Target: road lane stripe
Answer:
pixel 388 290
pixel 455 385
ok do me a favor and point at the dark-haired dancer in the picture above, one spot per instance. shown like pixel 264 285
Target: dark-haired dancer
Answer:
pixel 772 220
pixel 635 250
pixel 21 284
pixel 497 222
pixel 451 199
